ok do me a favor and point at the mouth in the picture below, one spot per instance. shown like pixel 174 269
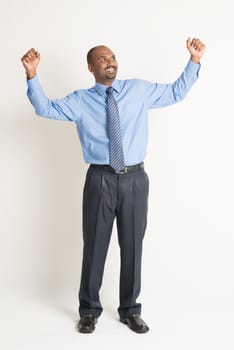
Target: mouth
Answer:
pixel 111 70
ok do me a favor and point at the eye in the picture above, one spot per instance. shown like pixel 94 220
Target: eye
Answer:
pixel 102 59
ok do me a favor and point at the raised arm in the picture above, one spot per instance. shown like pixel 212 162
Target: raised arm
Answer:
pixel 161 95
pixel 67 108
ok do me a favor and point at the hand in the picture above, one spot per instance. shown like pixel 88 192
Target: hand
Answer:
pixel 196 49
pixel 30 62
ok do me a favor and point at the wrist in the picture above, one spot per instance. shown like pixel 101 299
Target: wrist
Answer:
pixel 195 59
pixel 31 74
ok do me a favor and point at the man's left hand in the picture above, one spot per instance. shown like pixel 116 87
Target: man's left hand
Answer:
pixel 196 49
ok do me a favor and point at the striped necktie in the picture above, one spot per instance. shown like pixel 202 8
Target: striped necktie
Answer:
pixel 114 132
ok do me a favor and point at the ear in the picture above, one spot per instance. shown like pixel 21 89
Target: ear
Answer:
pixel 90 67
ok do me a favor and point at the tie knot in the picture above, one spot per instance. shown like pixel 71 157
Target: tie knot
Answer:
pixel 109 90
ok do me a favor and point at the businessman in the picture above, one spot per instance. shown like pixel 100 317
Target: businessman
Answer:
pixel 111 121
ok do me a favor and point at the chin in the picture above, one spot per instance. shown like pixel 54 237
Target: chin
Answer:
pixel 111 77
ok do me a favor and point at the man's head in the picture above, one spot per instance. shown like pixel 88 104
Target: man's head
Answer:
pixel 102 63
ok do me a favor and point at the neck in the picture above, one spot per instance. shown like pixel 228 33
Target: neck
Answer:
pixel 105 82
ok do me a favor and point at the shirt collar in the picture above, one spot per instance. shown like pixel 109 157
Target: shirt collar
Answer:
pixel 101 89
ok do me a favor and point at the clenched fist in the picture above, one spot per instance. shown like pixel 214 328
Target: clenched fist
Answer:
pixel 196 49
pixel 30 62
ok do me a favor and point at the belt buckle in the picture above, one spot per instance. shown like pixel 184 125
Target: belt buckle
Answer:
pixel 124 170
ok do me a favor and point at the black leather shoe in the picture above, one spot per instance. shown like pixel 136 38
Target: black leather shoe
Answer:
pixel 87 324
pixel 135 323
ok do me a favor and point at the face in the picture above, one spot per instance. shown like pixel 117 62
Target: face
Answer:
pixel 104 65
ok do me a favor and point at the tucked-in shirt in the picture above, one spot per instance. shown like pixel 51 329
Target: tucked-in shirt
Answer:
pixel 87 109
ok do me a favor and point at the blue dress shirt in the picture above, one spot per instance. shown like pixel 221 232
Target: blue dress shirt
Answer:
pixel 87 108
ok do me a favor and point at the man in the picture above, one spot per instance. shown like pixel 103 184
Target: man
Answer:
pixel 111 121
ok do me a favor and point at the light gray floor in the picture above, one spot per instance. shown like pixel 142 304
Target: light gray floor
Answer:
pixel 30 323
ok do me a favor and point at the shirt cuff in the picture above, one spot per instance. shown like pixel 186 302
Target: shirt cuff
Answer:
pixel 193 68
pixel 34 82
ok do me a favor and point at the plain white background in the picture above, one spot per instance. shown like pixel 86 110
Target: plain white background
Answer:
pixel 188 283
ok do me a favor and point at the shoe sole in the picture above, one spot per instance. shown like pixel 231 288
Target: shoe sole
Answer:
pixel 86 331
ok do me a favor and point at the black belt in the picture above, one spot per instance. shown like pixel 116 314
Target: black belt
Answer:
pixel 124 170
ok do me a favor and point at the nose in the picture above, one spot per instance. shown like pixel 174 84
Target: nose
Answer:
pixel 110 60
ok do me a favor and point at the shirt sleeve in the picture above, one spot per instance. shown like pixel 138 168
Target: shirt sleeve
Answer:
pixel 60 109
pixel 161 95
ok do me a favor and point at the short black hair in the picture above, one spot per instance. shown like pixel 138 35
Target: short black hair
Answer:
pixel 90 53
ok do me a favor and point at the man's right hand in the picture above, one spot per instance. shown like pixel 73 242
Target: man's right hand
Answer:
pixel 30 62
